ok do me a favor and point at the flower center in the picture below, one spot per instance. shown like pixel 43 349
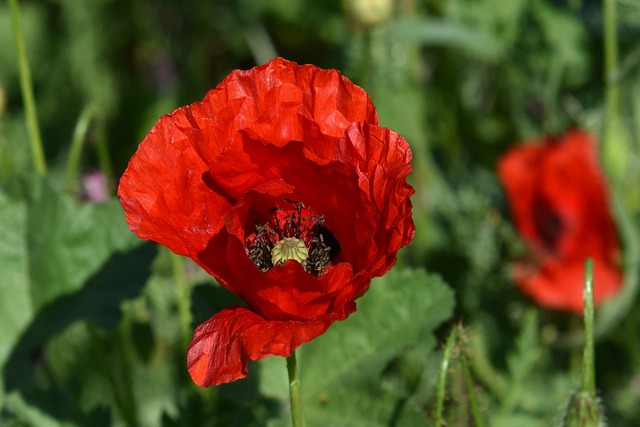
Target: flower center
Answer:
pixel 292 233
pixel 289 248
pixel 548 223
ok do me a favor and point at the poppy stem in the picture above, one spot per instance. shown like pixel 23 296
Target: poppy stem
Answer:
pixel 471 390
pixel 183 297
pixel 102 151
pixel 444 370
pixel 75 152
pixel 294 390
pixel 612 94
pixel 26 85
pixel 588 357
pixel 612 312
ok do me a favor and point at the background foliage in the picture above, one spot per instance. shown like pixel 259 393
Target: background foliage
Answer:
pixel 94 323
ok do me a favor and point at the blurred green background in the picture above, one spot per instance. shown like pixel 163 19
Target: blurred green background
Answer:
pixel 481 74
pixel 95 323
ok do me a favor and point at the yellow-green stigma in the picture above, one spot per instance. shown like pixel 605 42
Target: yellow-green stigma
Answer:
pixel 289 248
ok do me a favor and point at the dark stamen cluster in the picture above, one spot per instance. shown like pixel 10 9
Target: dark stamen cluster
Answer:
pixel 298 224
pixel 319 258
pixel 259 251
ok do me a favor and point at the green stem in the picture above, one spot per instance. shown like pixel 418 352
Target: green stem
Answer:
pixel 611 312
pixel 294 390
pixel 184 297
pixel 37 153
pixel 471 391
pixel 102 149
pixel 79 134
pixel 612 96
pixel 124 405
pixel 588 358
pixel 442 382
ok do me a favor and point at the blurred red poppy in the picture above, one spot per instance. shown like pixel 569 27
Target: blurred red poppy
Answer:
pixel 560 206
pixel 282 186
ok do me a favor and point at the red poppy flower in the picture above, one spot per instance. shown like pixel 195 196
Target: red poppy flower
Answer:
pixel 282 186
pixel 559 202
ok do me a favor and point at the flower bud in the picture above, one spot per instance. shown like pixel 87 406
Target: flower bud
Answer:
pixel 584 410
pixel 369 12
pixel 616 150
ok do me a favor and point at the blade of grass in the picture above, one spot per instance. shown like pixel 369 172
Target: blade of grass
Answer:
pixel 26 86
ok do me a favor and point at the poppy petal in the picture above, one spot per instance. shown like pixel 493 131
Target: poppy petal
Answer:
pixel 177 210
pixel 222 346
pixel 210 180
pixel 559 202
pixel 382 159
pixel 559 285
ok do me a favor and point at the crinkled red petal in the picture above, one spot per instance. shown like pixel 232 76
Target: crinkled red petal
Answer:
pixel 222 346
pixel 195 163
pixel 164 195
pixel 280 102
pixel 207 173
pixel 283 292
pixel 382 159
pixel 364 197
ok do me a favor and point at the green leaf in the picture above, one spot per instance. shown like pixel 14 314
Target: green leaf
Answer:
pixel 60 263
pixel 27 415
pixel 436 32
pixel 342 371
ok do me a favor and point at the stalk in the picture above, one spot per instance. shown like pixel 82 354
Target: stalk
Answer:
pixel 77 141
pixel 294 390
pixel 444 370
pixel 26 86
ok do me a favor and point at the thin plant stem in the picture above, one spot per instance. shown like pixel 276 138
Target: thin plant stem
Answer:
pixel 442 381
pixel 588 357
pixel 294 390
pixel 612 95
pixel 471 391
pixel 123 402
pixel 184 297
pixel 611 312
pixel 102 151
pixel 26 85
pixel 77 141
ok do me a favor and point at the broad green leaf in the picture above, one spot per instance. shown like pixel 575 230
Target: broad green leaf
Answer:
pixel 61 261
pixel 342 371
pixel 135 391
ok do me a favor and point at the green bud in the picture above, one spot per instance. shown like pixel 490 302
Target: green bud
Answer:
pixel 369 13
pixel 584 410
pixel 616 150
